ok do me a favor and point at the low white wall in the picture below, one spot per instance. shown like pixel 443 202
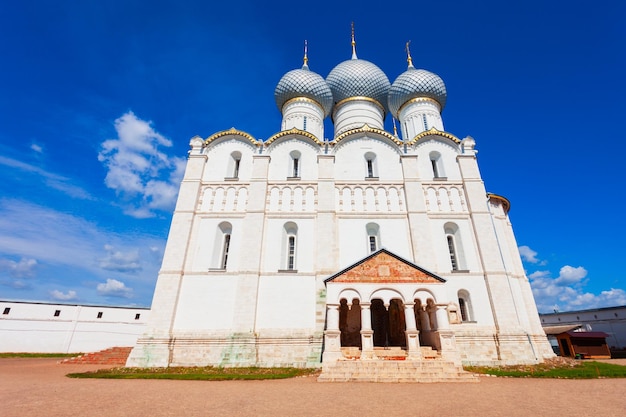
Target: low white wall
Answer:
pixel 34 327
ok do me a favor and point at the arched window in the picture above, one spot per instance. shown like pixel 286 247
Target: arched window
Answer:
pixel 437 165
pixel 304 123
pixel 371 170
pixel 233 165
pixel 425 121
pixel 294 164
pixel 455 247
pixel 222 245
pixel 290 241
pixel 465 305
pixel 373 237
pixel 452 250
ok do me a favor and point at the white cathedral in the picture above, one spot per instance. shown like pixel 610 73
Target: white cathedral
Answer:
pixel 304 251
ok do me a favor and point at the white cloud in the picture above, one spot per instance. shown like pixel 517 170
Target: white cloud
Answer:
pixel 114 288
pixel 116 260
pixel 60 296
pixel 528 254
pixel 569 275
pixel 36 148
pixel 78 248
pixel 145 177
pixel 566 292
pixel 52 180
pixel 24 268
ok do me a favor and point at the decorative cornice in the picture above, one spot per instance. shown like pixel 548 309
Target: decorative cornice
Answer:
pixel 367 129
pixel 234 132
pixel 293 131
pixel 302 99
pixel 422 100
pixel 505 201
pixel 434 132
pixel 359 98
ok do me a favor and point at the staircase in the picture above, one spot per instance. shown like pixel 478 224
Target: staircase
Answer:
pixel 393 365
pixel 112 356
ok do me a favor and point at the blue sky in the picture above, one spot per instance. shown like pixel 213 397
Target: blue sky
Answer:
pixel 98 101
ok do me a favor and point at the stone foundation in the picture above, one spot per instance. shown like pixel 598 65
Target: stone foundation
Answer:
pixel 234 350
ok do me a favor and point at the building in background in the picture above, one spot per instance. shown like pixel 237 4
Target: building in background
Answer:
pixel 68 328
pixel 610 320
pixel 371 244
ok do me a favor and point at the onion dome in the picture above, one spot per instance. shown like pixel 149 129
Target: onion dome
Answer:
pixel 358 78
pixel 304 83
pixel 416 83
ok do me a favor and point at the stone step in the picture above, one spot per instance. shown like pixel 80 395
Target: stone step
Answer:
pixel 111 356
pixel 395 371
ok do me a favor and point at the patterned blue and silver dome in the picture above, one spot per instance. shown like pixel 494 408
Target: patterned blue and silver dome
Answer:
pixel 414 83
pixel 304 83
pixel 358 77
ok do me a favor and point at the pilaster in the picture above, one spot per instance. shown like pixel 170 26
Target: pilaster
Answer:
pixel 419 224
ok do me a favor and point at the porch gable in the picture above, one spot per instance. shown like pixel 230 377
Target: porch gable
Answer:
pixel 384 266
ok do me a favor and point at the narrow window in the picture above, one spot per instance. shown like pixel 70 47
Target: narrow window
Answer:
pixel 7 310
pixel 137 316
pixel 436 165
pixel 294 164
pixel 303 127
pixel 373 236
pixel 372 243
pixel 236 168
pixel 425 121
pixel 370 165
pixel 99 314
pixel 452 250
pixel 57 313
pixel 233 165
pixel 289 247
pixel 291 255
pixel 225 248
pixel 463 308
pixel 455 247
pixel 433 163
pixel 221 248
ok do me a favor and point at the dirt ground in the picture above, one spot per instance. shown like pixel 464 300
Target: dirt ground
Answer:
pixel 38 387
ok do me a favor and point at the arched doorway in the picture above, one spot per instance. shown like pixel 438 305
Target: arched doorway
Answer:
pixel 350 323
pixel 388 324
pixel 426 322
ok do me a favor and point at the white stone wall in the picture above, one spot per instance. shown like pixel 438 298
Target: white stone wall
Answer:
pixel 33 327
pixel 256 311
pixel 350 159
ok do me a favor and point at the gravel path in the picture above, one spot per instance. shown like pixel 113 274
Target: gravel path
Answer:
pixel 38 387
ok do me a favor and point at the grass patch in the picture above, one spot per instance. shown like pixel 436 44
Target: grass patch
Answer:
pixel 570 370
pixel 37 355
pixel 208 373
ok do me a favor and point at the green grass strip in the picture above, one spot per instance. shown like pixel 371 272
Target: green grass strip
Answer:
pixel 197 373
pixel 581 370
pixel 37 355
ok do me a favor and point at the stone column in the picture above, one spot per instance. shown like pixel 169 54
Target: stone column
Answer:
pixel 442 317
pixel 425 320
pixel 332 335
pixel 412 334
pixel 367 342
